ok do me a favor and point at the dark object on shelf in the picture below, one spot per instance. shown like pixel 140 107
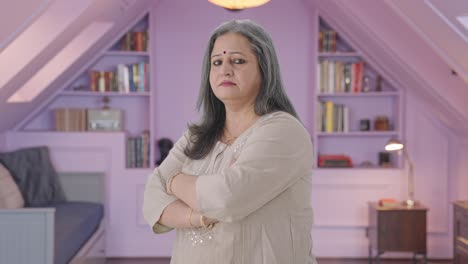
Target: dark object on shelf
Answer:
pixel 366 164
pixel 335 161
pixel 460 232
pixel 80 88
pixel 105 102
pixel 378 84
pixel 164 146
pixel 397 228
pixel 384 159
pixel 364 125
pixel 381 123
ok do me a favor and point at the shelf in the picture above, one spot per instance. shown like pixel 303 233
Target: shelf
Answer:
pixel 87 93
pixel 126 53
pixel 71 133
pixel 358 134
pixel 356 168
pixel 138 172
pixel 361 94
pixel 338 54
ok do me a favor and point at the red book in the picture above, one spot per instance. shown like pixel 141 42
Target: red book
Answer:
pixel 93 80
pixel 388 202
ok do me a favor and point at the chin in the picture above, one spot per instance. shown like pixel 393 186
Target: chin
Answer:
pixel 225 96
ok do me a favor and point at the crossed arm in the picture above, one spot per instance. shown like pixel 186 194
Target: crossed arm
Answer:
pixel 272 160
pixel 183 213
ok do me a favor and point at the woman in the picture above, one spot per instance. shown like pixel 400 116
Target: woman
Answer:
pixel 237 185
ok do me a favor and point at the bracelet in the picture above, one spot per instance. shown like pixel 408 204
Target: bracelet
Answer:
pixel 190 218
pixel 169 183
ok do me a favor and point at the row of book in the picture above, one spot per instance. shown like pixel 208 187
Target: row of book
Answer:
pixel 340 77
pixel 327 41
pixel 134 41
pixel 332 117
pixel 138 151
pixel 126 78
pixel 88 119
pixel 70 119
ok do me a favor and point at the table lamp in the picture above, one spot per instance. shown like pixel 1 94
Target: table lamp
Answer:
pixel 396 145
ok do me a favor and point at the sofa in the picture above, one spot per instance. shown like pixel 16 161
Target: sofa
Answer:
pixel 37 222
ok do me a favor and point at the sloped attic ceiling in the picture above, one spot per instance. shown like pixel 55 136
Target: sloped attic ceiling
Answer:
pixel 438 22
pixel 402 53
pixel 50 41
pixel 17 17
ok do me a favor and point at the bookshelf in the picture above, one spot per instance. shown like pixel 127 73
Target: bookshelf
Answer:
pixel 356 109
pixel 120 74
pixel 111 152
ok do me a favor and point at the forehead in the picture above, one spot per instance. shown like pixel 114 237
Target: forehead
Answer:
pixel 231 42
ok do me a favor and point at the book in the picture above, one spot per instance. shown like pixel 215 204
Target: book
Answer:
pixel 388 202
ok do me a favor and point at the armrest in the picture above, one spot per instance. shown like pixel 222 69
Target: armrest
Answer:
pixel 30 229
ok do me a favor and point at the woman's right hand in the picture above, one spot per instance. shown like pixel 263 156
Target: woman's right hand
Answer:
pixel 206 221
pixel 210 221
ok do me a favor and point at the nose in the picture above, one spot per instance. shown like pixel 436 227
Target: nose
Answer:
pixel 226 68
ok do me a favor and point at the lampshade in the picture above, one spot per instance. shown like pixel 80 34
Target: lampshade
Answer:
pixel 238 4
pixel 394 145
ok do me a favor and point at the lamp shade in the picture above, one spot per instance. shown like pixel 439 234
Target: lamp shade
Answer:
pixel 394 145
pixel 238 4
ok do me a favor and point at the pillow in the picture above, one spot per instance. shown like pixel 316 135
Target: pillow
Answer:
pixel 35 175
pixel 10 196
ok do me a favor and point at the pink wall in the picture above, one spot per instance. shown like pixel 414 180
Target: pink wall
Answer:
pixel 180 44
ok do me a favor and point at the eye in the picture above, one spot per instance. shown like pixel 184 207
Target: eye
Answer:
pixel 239 61
pixel 216 62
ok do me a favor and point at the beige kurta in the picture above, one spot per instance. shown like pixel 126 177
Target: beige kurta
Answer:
pixel 259 188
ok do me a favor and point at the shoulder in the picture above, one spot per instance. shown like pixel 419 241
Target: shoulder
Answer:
pixel 282 124
pixel 281 120
pixel 183 140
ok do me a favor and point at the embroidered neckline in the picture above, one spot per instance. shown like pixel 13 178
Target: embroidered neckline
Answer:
pixel 240 140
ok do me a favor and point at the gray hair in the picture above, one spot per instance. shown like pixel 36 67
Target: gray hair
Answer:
pixel 271 96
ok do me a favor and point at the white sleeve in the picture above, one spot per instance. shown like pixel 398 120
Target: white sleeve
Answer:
pixel 156 198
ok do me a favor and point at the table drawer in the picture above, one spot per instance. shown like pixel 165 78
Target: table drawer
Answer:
pixel 461 224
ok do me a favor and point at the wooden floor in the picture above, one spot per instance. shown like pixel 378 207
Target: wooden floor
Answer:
pixel 320 261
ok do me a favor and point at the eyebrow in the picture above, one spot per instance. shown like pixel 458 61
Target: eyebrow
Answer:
pixel 233 52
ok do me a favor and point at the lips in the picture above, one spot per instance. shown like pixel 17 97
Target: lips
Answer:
pixel 227 83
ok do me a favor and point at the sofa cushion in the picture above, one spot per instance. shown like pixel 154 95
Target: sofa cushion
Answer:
pixel 35 175
pixel 10 195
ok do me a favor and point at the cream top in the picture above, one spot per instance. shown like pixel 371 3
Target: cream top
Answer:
pixel 259 188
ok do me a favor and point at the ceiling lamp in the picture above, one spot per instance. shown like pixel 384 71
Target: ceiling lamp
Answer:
pixel 238 4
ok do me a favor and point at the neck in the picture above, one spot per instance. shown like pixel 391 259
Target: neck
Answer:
pixel 237 121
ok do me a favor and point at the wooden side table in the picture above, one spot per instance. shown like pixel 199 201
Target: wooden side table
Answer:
pixel 460 232
pixel 397 228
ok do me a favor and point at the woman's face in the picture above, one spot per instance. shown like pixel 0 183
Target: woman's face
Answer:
pixel 234 76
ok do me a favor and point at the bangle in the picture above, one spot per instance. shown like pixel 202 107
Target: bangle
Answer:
pixel 190 218
pixel 169 183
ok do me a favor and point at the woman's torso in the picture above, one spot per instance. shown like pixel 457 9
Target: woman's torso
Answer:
pixel 278 232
